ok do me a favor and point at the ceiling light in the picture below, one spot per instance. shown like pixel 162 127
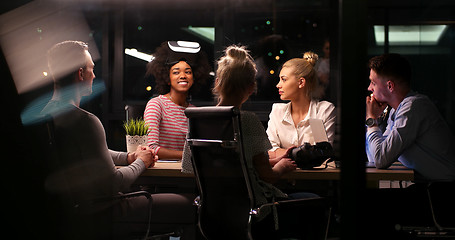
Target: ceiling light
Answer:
pixel 410 34
pixel 135 53
pixel 206 33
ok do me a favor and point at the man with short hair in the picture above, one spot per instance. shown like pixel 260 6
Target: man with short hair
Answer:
pixel 87 168
pixel 418 137
pixel 416 133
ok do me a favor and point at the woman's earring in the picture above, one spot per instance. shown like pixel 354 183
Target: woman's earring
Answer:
pixel 301 83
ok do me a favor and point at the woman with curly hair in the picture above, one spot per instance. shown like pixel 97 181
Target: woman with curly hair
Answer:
pixel 178 67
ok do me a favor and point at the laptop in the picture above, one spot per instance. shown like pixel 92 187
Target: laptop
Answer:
pixel 318 129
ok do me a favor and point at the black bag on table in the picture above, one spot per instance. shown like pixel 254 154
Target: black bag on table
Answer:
pixel 308 156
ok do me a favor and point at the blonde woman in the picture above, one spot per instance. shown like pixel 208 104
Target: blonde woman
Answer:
pixel 235 82
pixel 288 124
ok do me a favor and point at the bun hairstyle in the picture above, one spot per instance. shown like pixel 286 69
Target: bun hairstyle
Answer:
pixel 311 57
pixel 305 67
pixel 236 72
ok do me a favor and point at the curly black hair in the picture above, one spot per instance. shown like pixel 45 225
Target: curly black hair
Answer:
pixel 160 69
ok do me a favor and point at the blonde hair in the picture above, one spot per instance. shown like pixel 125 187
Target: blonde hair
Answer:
pixel 235 74
pixel 304 67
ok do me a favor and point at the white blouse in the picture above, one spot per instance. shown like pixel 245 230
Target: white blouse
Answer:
pixel 283 133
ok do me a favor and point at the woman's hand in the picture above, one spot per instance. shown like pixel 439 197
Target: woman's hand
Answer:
pixel 281 154
pixel 285 165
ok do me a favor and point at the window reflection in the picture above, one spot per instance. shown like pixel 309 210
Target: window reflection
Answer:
pixel 274 32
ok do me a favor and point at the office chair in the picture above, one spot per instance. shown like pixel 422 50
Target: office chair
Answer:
pixel 440 222
pixel 226 204
pixel 72 217
pixel 134 111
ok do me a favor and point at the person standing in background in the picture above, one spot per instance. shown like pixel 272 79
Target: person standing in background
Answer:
pixel 323 67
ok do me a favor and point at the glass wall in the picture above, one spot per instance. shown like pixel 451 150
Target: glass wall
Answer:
pixel 424 32
pixel 274 32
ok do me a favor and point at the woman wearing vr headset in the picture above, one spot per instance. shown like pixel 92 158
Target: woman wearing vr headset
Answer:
pixel 288 124
pixel 178 67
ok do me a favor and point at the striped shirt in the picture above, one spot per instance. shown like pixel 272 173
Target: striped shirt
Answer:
pixel 168 124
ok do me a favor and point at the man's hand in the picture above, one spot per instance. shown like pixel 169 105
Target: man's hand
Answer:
pixel 374 108
pixel 146 154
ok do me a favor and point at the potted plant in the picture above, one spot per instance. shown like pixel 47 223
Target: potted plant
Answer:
pixel 136 133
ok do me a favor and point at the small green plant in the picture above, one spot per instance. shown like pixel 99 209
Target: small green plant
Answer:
pixel 136 127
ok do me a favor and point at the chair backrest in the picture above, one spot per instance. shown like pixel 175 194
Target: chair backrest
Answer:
pixel 226 198
pixel 42 143
pixel 134 111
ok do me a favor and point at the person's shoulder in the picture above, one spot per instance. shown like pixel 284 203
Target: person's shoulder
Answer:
pixel 251 123
pixel 324 108
pixel 77 119
pixel 325 105
pixel 280 108
pixel 417 97
pixel 279 105
pixel 157 99
pixel 247 114
pixel 416 100
pixel 86 115
pixel 156 102
pixel 420 103
pixel 249 117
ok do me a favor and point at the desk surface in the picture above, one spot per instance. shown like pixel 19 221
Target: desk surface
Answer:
pixel 401 173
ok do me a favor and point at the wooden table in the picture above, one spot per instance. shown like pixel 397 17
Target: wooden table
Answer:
pixel 395 172
pixel 166 169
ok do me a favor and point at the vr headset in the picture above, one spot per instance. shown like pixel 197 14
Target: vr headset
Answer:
pixel 182 51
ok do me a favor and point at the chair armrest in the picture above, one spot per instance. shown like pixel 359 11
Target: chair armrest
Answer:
pixel 316 201
pixel 121 196
pixel 133 194
pixel 211 143
pixel 305 201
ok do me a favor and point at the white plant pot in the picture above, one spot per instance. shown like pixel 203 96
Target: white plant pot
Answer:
pixel 133 141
